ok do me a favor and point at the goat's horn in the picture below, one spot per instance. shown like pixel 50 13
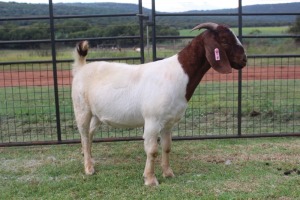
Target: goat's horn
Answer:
pixel 208 25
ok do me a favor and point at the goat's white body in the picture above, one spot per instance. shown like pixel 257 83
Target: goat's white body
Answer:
pixel 154 94
pixel 124 95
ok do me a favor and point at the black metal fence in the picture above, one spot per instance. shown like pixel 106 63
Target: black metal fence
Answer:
pixel 262 100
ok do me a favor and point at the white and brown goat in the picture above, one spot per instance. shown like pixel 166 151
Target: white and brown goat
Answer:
pixel 154 95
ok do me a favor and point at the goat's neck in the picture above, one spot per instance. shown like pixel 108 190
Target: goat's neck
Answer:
pixel 194 64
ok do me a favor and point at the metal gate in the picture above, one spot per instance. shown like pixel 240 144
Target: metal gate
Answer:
pixel 259 101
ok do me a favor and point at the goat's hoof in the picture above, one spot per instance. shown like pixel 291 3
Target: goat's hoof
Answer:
pixel 168 173
pixel 151 181
pixel 89 170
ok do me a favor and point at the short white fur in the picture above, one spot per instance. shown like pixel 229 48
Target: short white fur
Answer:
pixel 150 95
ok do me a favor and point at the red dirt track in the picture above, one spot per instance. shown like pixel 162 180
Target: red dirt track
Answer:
pixel 64 77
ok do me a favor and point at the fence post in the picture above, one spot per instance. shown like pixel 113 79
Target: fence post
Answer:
pixel 141 19
pixel 52 31
pixel 153 31
pixel 240 35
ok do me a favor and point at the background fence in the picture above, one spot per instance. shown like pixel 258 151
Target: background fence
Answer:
pixel 261 100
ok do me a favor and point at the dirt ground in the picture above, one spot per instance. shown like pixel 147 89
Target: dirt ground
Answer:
pixel 64 77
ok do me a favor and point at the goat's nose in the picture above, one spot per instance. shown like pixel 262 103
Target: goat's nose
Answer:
pixel 245 59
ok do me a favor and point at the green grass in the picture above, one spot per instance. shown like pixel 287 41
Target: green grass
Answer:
pixel 246 31
pixel 62 54
pixel 277 30
pixel 254 170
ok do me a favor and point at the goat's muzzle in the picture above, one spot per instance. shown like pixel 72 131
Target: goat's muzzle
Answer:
pixel 240 64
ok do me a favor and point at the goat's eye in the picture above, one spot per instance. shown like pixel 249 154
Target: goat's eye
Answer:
pixel 225 44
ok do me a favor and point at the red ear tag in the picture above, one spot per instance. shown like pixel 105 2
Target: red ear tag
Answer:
pixel 217 54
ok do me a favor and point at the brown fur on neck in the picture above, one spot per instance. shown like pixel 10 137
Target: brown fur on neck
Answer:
pixel 194 64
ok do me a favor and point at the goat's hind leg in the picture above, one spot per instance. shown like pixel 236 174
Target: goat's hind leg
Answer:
pixel 166 140
pixel 151 148
pixel 83 120
pixel 88 158
pixel 93 126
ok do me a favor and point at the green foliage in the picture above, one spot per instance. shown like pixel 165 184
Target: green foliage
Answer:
pixel 295 28
pixel 117 26
pixel 70 29
pixel 71 26
pixel 10 31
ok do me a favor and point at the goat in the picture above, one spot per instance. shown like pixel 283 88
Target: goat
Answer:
pixel 137 49
pixel 154 95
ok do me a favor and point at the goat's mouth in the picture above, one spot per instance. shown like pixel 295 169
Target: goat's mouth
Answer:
pixel 239 65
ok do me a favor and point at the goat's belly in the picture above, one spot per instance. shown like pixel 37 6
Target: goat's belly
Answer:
pixel 122 123
pixel 118 116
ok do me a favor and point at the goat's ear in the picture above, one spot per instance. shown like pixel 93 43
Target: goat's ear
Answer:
pixel 216 56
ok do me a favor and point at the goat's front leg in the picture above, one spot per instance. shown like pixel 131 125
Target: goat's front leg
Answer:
pixel 166 140
pixel 151 149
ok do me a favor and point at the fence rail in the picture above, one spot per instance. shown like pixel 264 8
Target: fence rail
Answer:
pixel 262 100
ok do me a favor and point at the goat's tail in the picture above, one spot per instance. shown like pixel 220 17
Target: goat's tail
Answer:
pixel 80 54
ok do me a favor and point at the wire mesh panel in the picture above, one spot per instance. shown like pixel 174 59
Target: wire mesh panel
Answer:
pixel 212 111
pixel 27 103
pixel 35 82
pixel 64 80
pixel 270 101
pixel 271 92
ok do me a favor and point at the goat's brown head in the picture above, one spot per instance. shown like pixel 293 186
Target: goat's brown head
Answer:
pixel 223 49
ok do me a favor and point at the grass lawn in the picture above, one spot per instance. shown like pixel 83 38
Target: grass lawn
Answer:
pixel 276 30
pixel 209 169
pixel 62 54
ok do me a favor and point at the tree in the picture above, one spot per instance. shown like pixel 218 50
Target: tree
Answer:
pixel 295 28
